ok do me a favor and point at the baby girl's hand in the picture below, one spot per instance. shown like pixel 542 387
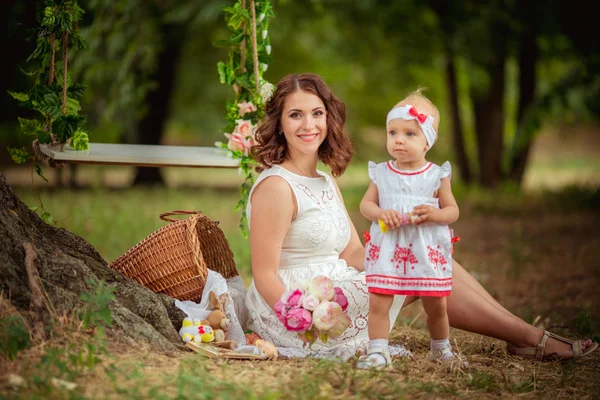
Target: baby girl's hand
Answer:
pixel 425 213
pixel 392 218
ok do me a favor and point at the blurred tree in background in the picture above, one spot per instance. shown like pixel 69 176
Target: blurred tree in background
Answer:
pixel 497 70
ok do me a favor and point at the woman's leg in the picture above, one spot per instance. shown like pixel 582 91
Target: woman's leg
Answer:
pixel 472 308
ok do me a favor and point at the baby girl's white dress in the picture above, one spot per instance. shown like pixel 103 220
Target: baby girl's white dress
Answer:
pixel 413 259
pixel 312 247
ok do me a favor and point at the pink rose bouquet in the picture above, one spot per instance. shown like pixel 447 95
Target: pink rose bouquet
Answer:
pixel 314 309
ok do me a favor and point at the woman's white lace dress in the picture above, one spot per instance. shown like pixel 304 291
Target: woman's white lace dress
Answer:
pixel 312 247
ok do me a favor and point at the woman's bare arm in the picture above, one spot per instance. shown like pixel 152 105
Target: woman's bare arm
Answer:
pixel 273 208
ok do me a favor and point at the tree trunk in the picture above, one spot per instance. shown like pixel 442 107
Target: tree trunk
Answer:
pixel 152 125
pixel 528 55
pixel 450 16
pixel 63 262
pixel 489 123
pixel 457 131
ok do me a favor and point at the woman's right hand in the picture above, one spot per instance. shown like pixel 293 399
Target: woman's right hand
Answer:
pixel 392 218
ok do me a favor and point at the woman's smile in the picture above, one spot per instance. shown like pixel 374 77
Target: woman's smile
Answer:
pixel 308 137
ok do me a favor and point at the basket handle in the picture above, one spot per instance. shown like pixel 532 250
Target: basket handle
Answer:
pixel 165 216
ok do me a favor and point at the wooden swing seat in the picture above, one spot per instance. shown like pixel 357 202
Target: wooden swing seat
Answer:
pixel 143 155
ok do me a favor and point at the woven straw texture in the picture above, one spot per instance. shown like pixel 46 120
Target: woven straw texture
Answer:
pixel 174 259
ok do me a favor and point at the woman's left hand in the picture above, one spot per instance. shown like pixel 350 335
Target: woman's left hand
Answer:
pixel 425 213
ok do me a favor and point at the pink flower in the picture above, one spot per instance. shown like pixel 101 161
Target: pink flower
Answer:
pixel 281 311
pixel 244 127
pixel 322 288
pixel 297 320
pixel 339 328
pixel 340 298
pixel 237 141
pixel 326 315
pixel 246 107
pixel 310 302
pixel 294 298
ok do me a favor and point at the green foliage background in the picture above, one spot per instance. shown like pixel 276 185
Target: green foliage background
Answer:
pixel 370 52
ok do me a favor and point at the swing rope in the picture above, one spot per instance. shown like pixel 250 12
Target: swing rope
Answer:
pixel 47 160
pixel 254 45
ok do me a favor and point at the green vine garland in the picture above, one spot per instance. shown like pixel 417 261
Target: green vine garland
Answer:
pixel 54 95
pixel 247 61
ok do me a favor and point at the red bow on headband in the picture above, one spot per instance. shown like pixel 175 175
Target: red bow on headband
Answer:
pixel 421 117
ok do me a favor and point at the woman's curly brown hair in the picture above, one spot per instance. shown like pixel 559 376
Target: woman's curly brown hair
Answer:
pixel 335 151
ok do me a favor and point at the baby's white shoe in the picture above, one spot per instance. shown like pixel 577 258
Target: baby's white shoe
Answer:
pixel 376 358
pixel 447 356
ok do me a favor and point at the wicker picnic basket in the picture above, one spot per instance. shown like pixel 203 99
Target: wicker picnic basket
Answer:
pixel 174 259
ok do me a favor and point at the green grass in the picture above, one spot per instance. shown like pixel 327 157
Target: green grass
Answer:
pixel 113 221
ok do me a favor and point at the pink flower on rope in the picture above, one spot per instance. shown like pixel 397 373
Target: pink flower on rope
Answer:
pixel 246 107
pixel 245 127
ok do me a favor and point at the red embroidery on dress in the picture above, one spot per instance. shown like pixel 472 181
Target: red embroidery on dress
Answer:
pixel 373 254
pixel 404 255
pixel 436 257
pixel 380 281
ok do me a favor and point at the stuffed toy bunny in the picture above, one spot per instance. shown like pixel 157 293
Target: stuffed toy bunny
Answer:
pixel 217 318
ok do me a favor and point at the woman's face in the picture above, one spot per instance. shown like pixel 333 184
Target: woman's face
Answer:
pixel 304 122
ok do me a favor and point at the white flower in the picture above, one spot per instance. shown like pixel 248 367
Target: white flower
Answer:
pixel 260 18
pixel 219 144
pixel 264 67
pixel 266 91
pixel 268 48
pixel 265 33
pixel 310 302
pixel 301 284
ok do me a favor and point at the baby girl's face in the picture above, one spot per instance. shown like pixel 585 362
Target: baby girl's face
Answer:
pixel 406 143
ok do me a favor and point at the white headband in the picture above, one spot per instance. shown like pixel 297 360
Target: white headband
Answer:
pixel 425 121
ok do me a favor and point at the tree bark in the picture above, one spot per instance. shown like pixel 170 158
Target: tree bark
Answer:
pixel 151 127
pixel 450 15
pixel 528 55
pixel 457 130
pixel 64 261
pixel 489 122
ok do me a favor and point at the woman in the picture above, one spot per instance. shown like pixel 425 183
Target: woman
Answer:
pixel 299 229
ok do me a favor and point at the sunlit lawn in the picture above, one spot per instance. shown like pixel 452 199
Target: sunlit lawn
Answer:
pixel 508 242
pixel 518 243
